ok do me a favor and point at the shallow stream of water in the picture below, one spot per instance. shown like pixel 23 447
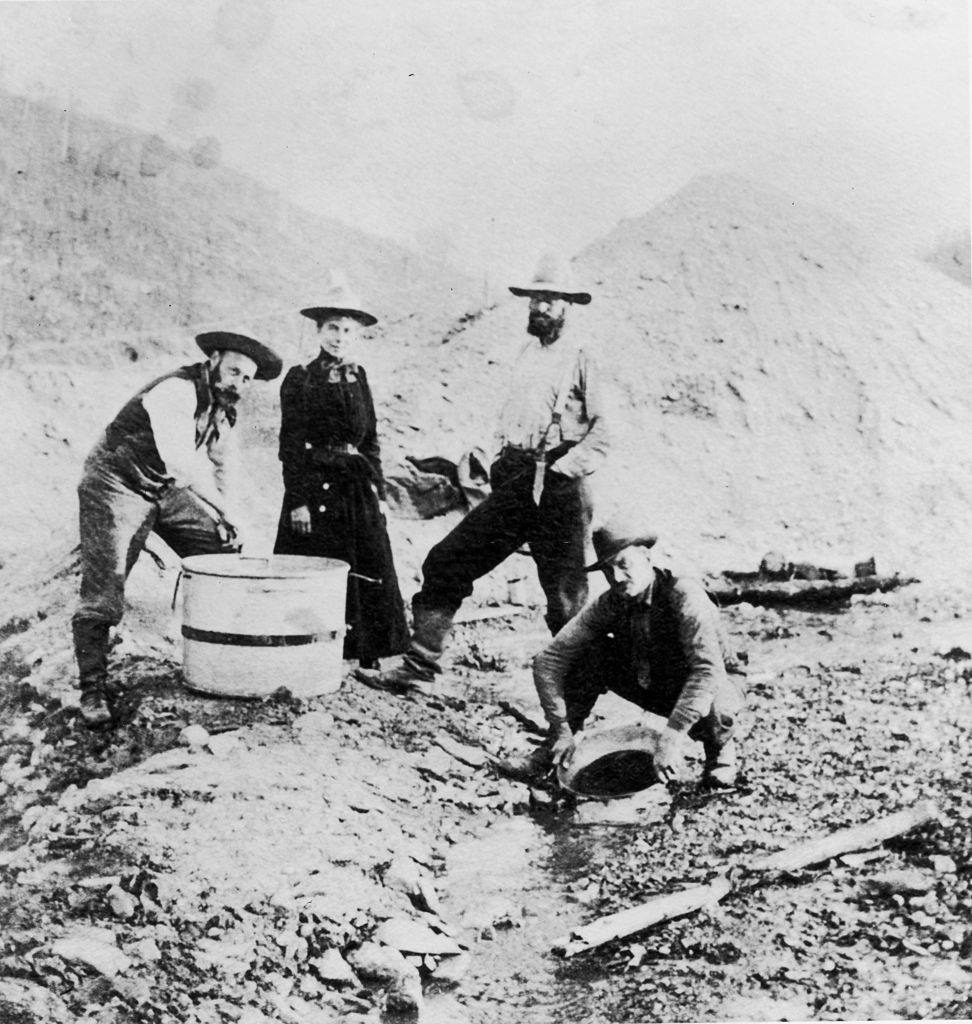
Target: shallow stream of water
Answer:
pixel 538 873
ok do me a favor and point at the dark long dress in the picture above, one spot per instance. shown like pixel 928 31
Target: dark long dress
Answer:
pixel 332 464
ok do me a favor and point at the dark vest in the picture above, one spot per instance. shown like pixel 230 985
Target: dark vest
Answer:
pixel 129 442
pixel 667 660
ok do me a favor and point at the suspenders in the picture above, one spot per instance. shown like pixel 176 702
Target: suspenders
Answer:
pixel 560 401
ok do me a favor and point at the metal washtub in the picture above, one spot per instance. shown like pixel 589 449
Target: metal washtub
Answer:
pixel 253 625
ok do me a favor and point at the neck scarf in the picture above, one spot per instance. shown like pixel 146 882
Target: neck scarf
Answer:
pixel 212 411
pixel 336 371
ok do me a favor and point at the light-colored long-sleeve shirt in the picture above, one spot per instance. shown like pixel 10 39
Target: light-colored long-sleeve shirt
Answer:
pixel 672 639
pixel 538 376
pixel 212 469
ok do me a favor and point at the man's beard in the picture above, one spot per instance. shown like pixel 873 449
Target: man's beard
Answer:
pixel 226 394
pixel 546 328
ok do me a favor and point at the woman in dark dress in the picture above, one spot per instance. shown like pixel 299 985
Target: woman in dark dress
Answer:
pixel 334 489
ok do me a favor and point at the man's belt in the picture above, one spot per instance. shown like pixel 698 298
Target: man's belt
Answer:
pixel 533 454
pixel 540 460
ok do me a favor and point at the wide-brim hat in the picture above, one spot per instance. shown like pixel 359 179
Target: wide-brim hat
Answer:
pixel 321 313
pixel 268 363
pixel 610 540
pixel 553 278
pixel 339 300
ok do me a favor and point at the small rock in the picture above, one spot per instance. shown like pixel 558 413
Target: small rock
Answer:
pixel 223 744
pixel 902 882
pixel 147 950
pixel 452 969
pixel 310 987
pixel 403 875
pixel 122 903
pixel 26 1003
pixel 471 756
pixel 379 963
pixel 405 995
pixel 101 789
pixel 438 763
pixel 166 933
pixel 135 990
pixel 193 736
pixel 943 865
pixel 94 947
pixel 334 969
pixel 428 898
pixel 498 912
pixel 413 937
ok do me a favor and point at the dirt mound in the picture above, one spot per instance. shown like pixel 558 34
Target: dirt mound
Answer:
pixel 779 384
pixel 117 250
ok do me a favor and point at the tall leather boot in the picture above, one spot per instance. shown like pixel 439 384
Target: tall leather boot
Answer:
pixel 91 652
pixel 430 632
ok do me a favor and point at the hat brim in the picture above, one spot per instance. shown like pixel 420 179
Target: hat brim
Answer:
pixel 268 363
pixel 580 298
pixel 644 541
pixel 321 313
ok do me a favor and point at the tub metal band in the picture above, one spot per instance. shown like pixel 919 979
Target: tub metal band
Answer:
pixel 209 636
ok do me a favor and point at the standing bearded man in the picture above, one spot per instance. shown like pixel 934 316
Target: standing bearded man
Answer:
pixel 163 465
pixel 551 437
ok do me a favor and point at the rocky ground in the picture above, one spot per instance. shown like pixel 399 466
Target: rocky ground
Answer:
pixel 213 860
pixel 356 854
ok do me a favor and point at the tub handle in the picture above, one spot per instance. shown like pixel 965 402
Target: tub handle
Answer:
pixel 367 579
pixel 175 589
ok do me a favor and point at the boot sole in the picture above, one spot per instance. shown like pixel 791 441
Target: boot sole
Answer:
pixel 400 689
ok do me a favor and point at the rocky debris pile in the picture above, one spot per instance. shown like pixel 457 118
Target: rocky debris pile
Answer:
pixel 288 860
pixel 208 859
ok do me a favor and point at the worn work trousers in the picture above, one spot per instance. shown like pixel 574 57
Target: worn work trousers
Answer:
pixel 606 666
pixel 115 523
pixel 556 531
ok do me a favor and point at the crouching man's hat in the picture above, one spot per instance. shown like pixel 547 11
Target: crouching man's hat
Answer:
pixel 339 300
pixel 553 279
pixel 611 539
pixel 267 361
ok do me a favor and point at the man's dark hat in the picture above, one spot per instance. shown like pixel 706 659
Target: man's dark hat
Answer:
pixel 268 362
pixel 611 539
pixel 340 300
pixel 553 278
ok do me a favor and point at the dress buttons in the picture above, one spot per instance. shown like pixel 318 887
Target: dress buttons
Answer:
pixel 325 487
pixel 307 445
pixel 322 508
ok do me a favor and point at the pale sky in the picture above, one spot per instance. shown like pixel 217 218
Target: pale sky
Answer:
pixel 486 130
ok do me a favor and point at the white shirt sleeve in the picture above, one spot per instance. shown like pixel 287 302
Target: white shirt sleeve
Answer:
pixel 171 408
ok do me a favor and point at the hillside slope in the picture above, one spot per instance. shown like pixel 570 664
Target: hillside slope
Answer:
pixel 778 382
pixel 116 250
